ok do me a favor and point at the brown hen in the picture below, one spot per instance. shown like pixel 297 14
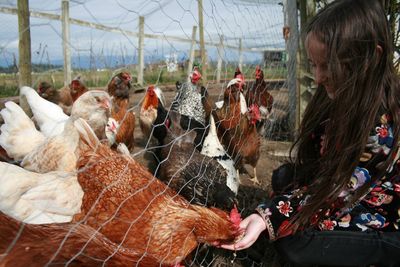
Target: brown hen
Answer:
pixel 133 208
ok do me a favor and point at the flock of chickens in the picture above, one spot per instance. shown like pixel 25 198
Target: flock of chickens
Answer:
pixel 71 193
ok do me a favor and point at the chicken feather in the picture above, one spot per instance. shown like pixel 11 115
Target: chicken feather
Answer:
pixel 35 198
pixel 133 208
pixel 15 130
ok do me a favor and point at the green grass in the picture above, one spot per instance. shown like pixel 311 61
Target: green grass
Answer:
pixel 159 76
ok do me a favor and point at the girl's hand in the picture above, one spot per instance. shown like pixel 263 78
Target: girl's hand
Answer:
pixel 252 225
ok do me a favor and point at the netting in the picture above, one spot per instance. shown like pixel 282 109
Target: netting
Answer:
pixel 69 199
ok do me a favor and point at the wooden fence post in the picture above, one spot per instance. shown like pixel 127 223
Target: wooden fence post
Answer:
pixel 240 54
pixel 24 47
pixel 141 51
pixel 66 41
pixel 191 53
pixel 220 52
pixel 202 45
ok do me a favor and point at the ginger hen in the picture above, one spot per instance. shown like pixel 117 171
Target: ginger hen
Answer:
pixel 131 207
pixel 62 244
pixel 118 88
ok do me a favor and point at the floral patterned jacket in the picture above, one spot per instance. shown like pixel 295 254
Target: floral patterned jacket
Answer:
pixel 378 210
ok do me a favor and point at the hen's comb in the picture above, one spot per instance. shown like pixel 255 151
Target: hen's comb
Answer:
pixel 235 216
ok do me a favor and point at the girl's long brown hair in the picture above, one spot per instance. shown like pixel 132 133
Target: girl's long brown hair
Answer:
pixel 365 83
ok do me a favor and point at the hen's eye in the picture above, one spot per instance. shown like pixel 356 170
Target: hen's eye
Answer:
pixel 97 98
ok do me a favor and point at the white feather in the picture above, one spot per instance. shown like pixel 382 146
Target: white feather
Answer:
pixel 243 105
pixel 219 104
pixel 160 95
pixel 234 81
pixel 49 116
pixel 212 147
pixel 18 133
pixel 53 197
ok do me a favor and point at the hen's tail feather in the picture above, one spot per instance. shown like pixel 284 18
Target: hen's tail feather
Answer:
pixel 87 135
pixel 75 244
pixel 49 116
pixel 18 133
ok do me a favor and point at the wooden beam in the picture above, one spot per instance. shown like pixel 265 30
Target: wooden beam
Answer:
pixel 42 15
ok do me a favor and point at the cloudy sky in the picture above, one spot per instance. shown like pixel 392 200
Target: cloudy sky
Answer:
pixel 258 23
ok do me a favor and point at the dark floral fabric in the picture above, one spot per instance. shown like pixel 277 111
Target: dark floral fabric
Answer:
pixel 378 210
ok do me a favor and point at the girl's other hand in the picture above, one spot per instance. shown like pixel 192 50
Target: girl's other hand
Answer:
pixel 253 226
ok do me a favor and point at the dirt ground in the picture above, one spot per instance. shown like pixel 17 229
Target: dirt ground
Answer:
pixel 272 152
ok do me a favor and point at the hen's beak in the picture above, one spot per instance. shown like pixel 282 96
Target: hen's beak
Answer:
pixel 106 104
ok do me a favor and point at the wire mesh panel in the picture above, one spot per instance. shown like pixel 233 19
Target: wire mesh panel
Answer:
pixel 119 172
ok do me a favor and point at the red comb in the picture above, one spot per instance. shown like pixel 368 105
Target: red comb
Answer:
pixel 235 216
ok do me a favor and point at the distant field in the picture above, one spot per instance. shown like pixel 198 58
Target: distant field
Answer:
pixel 100 78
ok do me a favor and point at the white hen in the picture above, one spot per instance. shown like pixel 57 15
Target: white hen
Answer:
pixel 213 148
pixel 53 197
pixel 18 133
pixel 60 152
pixel 49 116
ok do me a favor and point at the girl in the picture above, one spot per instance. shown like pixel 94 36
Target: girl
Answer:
pixel 344 204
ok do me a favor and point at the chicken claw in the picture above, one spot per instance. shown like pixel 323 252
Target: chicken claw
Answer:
pixel 254 179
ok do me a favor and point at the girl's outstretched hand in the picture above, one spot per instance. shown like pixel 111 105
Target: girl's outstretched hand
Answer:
pixel 252 225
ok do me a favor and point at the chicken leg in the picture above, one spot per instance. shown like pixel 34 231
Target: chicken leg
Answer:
pixel 254 179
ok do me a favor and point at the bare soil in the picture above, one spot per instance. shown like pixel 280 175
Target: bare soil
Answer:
pixel 273 153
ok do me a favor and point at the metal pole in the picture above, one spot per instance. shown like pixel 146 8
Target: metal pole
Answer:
pixel 141 50
pixel 290 8
pixel 66 41
pixel 24 47
pixel 191 52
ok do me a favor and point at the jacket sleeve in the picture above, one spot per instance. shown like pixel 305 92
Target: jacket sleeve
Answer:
pixel 277 213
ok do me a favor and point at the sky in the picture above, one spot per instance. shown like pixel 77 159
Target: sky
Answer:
pixel 258 24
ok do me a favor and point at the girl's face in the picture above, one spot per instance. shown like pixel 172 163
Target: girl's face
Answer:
pixel 318 58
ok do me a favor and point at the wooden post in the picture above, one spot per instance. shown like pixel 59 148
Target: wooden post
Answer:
pixel 240 54
pixel 141 50
pixel 191 53
pixel 25 67
pixel 292 43
pixel 66 41
pixel 220 52
pixel 202 45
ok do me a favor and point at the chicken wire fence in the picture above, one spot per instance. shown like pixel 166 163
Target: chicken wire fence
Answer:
pixel 111 229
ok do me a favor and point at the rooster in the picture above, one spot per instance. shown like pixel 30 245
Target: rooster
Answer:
pixel 57 152
pixel 63 243
pixel 199 178
pixel 131 207
pixel 149 109
pixel 118 88
pixel 258 94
